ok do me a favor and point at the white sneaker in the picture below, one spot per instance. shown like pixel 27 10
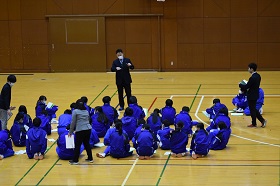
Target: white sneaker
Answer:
pixel 234 110
pixel 1 157
pixel 54 121
pixel 261 110
pixel 240 110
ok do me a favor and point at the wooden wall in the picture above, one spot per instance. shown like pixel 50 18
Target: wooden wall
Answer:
pixel 194 34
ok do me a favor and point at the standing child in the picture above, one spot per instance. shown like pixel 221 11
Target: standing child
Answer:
pixel 110 112
pixel 199 145
pixel 138 112
pixel 154 120
pixel 219 138
pixel 117 143
pixel 178 141
pixel 168 112
pixel 36 141
pixel 129 122
pixel 163 135
pixel 6 147
pixel 100 122
pixel 18 131
pixel 145 143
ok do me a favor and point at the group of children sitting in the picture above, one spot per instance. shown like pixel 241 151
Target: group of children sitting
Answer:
pixel 145 135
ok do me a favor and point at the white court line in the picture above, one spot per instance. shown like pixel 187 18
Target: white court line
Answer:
pixel 198 107
pixel 130 171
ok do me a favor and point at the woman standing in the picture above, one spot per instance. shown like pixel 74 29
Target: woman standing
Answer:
pixel 80 123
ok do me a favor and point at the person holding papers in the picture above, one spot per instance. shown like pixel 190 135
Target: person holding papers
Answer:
pixel 252 88
pixel 42 105
pixel 81 125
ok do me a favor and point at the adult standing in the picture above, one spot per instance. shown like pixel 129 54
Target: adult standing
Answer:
pixel 80 123
pixel 123 79
pixel 252 88
pixel 5 101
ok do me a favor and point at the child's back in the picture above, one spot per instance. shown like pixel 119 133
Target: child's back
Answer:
pixel 178 142
pixel 36 141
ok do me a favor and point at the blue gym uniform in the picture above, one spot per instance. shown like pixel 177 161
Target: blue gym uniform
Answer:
pixel 36 141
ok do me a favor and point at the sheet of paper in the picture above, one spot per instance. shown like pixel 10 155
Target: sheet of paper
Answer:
pixel 167 153
pixel 70 142
pixel 50 105
pixel 146 111
pixel 236 114
pixel 131 149
pixel 51 140
pixel 20 152
pixel 99 145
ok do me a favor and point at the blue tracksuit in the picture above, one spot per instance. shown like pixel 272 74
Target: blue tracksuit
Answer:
pixel 138 112
pixel 42 106
pixel 154 126
pixel 164 138
pixel 200 143
pixel 168 113
pixel 217 119
pixel 137 132
pixel 100 127
pixel 63 121
pixel 27 120
pixel 145 143
pixel 259 104
pixel 240 100
pixel 218 139
pixel 129 125
pixel 110 112
pixel 6 147
pixel 215 109
pixel 187 120
pixel 46 124
pixel 118 145
pixel 89 109
pixel 36 141
pixel 18 134
pixel 178 142
pixel 93 138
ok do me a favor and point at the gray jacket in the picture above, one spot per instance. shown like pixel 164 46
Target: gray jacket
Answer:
pixel 80 120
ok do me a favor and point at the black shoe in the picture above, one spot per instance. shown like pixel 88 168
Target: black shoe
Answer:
pixel 88 160
pixel 71 162
pixel 264 123
pixel 121 108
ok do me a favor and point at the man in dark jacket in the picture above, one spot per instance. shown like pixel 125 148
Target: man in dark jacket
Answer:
pixel 252 88
pixel 5 101
pixel 123 79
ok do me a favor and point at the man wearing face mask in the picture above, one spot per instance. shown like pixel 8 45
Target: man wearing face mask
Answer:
pixel 5 100
pixel 123 79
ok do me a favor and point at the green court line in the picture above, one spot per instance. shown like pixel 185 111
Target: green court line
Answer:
pixel 58 158
pixel 159 179
pixel 98 95
pixel 34 165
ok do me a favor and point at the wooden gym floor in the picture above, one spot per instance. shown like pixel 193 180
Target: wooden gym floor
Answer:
pixel 251 158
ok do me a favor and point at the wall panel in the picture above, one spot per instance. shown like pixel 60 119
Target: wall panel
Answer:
pixel 85 7
pixel 138 30
pixel 16 44
pixel 216 8
pixel 244 29
pixel 170 9
pixel 31 9
pixel 241 54
pixel 269 56
pixel 35 32
pixel 58 7
pixel 170 44
pixel 140 55
pixel 268 8
pixel 191 56
pixel 189 8
pixel 115 30
pixel 269 29
pixel 217 56
pixel 111 7
pixel 14 7
pixel 137 7
pixel 36 57
pixel 4 15
pixel 244 8
pixel 216 30
pixel 190 30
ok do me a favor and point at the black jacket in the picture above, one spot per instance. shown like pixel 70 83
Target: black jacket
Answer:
pixel 122 76
pixel 5 97
pixel 252 86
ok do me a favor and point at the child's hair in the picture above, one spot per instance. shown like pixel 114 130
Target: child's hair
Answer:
pixel 42 98
pixel 155 115
pixel 179 126
pixel 37 122
pixel 128 111
pixel 118 126
pixel 44 112
pixel 169 102
pixel 132 100
pixel 253 66
pixel 101 116
pixel 80 105
pixel 67 111
pixel 73 105
pixel 84 99
pixel 19 116
pixel 216 100
pixel 200 126
pixel 106 99
pixel 141 121
pixel 185 108
pixel 22 108
pixel 224 111
pixel 146 127
pixel 166 123
pixel 12 78
pixel 222 125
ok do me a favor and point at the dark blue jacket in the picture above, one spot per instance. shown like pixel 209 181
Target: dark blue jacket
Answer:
pixel 42 106
pixel 119 144
pixel 200 143
pixel 137 132
pixel 18 134
pixel 6 147
pixel 110 112
pixel 36 141
pixel 168 113
pixel 93 138
pixel 63 121
pixel 215 109
pixel 178 141
pixel 46 124
pixel 186 119
pixel 220 117
pixel 61 150
pixel 218 139
pixel 154 126
pixel 5 97
pixel 240 100
pixel 145 143
pixel 100 127
pixel 164 138
pixel 138 112
pixel 129 125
